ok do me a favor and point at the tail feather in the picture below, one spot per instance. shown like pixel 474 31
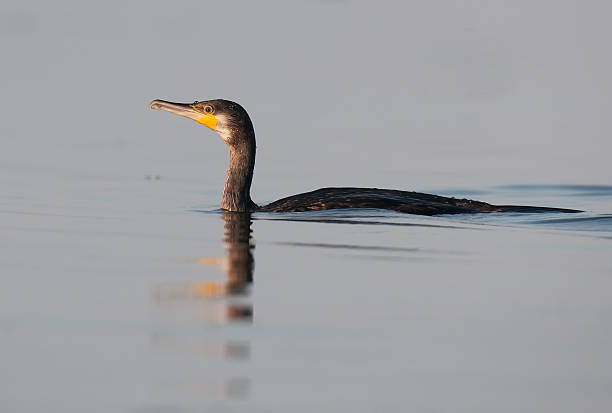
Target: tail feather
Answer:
pixel 533 209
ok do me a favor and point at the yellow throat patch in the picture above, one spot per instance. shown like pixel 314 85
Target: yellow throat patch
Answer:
pixel 208 120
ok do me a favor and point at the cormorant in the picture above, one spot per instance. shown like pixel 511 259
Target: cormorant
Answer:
pixel 234 125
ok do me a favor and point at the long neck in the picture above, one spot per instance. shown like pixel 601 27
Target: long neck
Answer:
pixel 236 194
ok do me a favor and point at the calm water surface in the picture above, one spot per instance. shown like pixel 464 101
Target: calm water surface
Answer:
pixel 124 289
pixel 158 305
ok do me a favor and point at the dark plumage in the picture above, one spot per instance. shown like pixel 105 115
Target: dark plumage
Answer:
pixel 233 123
pixel 402 201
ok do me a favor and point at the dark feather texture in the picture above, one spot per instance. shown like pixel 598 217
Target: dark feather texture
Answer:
pixel 402 201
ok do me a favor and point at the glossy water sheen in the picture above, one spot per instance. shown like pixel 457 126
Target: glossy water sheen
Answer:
pixel 154 308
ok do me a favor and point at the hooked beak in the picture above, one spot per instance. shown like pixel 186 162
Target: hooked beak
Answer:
pixel 187 110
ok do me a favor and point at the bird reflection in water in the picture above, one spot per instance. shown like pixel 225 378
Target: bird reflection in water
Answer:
pixel 213 302
pixel 240 261
pixel 239 265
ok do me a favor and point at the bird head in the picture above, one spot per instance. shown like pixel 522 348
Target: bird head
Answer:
pixel 225 117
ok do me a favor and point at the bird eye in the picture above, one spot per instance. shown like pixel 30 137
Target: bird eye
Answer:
pixel 208 109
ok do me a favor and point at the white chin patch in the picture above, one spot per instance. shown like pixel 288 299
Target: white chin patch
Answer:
pixel 221 127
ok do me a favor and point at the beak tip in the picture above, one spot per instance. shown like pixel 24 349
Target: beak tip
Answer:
pixel 154 104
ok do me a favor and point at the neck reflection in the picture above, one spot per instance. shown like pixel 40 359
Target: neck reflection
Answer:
pixel 212 303
pixel 240 260
pixel 238 265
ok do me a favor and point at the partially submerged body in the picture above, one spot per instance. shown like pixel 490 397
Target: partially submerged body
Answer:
pixel 233 124
pixel 401 201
